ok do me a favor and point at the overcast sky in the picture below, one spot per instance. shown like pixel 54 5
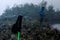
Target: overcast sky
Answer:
pixel 5 3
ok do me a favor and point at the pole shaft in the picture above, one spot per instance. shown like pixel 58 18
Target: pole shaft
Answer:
pixel 19 36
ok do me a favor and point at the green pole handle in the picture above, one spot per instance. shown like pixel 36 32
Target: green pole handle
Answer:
pixel 19 36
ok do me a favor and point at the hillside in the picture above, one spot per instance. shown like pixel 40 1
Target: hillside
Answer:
pixel 31 21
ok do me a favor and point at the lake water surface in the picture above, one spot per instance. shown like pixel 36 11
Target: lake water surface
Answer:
pixel 55 26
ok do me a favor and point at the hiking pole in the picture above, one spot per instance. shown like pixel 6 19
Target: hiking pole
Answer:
pixel 16 28
pixel 19 28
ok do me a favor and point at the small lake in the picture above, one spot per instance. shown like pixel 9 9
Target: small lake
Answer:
pixel 55 26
